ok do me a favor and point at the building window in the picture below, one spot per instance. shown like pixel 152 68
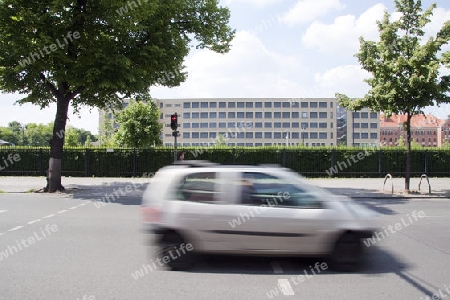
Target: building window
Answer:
pixel 364 125
pixel 222 104
pixel 195 104
pixel 195 125
pixel 304 125
pixel 313 104
pixel 373 115
pixel 212 125
pixel 286 104
pixel 323 125
pixel 267 135
pixel 258 135
pixel 295 104
pixel 364 115
pixel 268 115
pixel 240 115
pixel 249 104
pixel 212 104
pixel 323 135
pixel 313 115
pixel 356 115
pixel 222 125
pixel 213 135
pixel 195 135
pixel 258 104
pixel 313 125
pixel 277 115
pixel 186 125
pixel 249 135
pixel 231 104
pixel 267 125
pixel 222 115
pixel 364 135
pixel 204 115
pixel 186 115
pixel 186 135
pixel 286 125
pixel 304 104
pixel 295 115
pixel 374 135
pixel 195 115
pixel 286 115
pixel 277 135
pixel 295 135
pixel 322 104
pixel 277 125
pixel 277 104
pixel 258 115
pixel 268 104
pixel 231 115
pixel 231 125
pixel 203 135
pixel 322 115
pixel 204 104
pixel 313 135
pixel 212 115
pixel 249 115
pixel 304 115
pixel 203 125
pixel 356 135
pixel 295 125
pixel 356 125
pixel 373 125
pixel 186 104
pixel 258 125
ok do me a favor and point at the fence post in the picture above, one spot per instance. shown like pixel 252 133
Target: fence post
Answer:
pixel 379 161
pixel 41 171
pixel 86 162
pixel 333 160
pixel 134 162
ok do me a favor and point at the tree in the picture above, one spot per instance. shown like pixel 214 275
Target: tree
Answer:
pixel 8 135
pixel 38 134
pixel 138 125
pixel 405 69
pixel 95 53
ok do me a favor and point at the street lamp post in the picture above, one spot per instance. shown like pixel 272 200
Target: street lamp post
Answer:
pixel 303 135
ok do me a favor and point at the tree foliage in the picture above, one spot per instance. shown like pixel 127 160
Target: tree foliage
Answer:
pixel 138 125
pixel 405 67
pixel 95 53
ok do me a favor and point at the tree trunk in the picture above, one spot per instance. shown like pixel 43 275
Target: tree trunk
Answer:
pixel 408 152
pixel 57 143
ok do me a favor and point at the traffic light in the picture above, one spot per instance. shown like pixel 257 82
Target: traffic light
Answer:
pixel 174 121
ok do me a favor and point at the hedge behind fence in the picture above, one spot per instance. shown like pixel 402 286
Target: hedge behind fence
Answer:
pixel 311 162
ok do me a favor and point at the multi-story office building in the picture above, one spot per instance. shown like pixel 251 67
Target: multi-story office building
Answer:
pixel 251 121
pixel 363 128
pixel 263 122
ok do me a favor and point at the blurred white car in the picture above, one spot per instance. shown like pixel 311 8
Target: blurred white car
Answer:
pixel 251 210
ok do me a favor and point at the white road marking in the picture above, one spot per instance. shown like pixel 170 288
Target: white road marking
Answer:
pixel 1 233
pixel 49 216
pixel 2 211
pixel 285 287
pixel 73 207
pixel 62 211
pixel 15 228
pixel 276 267
pixel 35 221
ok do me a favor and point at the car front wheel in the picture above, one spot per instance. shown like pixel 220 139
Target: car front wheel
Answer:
pixel 347 254
pixel 173 252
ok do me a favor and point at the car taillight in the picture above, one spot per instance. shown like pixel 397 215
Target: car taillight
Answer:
pixel 150 214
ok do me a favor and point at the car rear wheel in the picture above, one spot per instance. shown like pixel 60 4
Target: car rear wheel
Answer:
pixel 347 254
pixel 173 252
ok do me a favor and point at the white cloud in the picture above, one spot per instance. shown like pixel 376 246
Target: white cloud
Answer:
pixel 259 3
pixel 248 70
pixel 348 79
pixel 308 10
pixel 343 35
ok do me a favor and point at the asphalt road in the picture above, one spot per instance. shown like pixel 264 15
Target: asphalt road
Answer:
pixel 74 250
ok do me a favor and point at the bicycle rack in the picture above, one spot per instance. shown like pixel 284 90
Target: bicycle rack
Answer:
pixel 392 183
pixel 428 181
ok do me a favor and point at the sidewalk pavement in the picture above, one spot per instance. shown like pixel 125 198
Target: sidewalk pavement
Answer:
pixel 352 187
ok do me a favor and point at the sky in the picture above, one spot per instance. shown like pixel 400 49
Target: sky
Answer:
pixel 282 49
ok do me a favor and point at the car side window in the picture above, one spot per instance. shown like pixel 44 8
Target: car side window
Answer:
pixel 266 189
pixel 198 187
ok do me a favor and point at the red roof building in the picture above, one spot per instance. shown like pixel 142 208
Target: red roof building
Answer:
pixel 426 130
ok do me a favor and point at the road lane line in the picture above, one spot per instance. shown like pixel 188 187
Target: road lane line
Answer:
pixel 49 216
pixel 32 222
pixel 62 211
pixel 15 228
pixel 2 211
pixel 276 267
pixel 73 207
pixel 286 287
